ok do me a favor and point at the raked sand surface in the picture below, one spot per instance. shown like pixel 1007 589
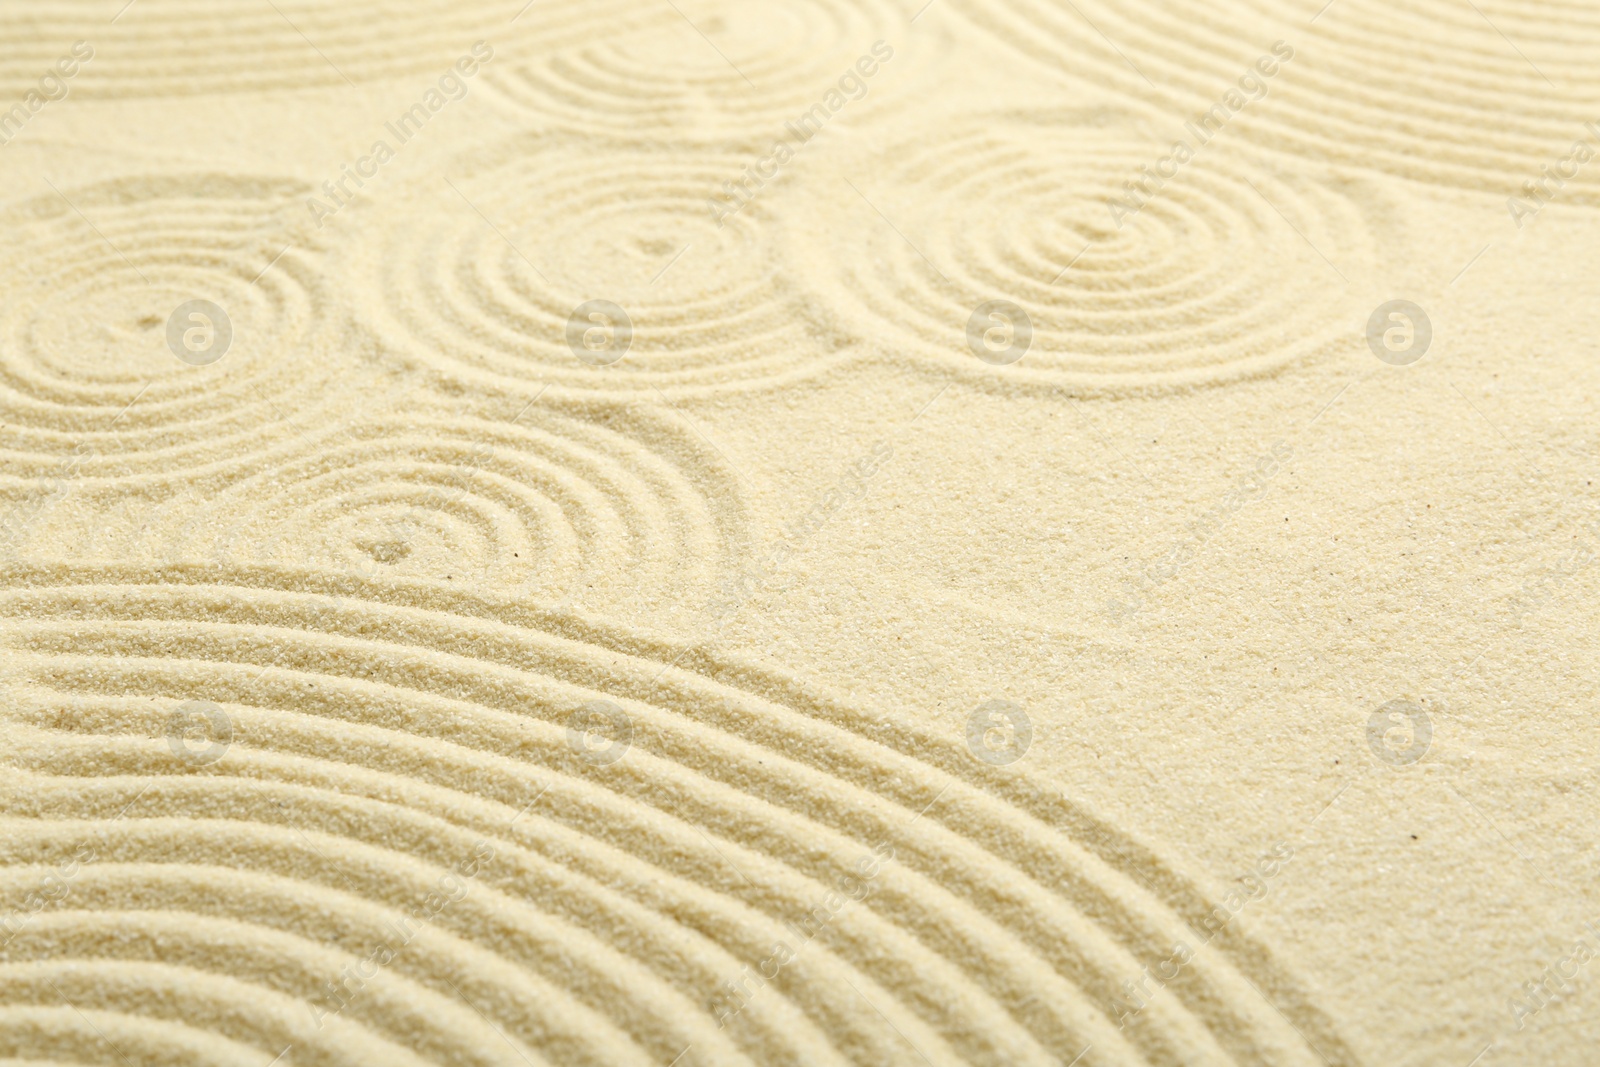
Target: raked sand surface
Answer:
pixel 998 579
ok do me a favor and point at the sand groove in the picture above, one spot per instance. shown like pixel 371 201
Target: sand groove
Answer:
pixel 564 500
pixel 400 725
pixel 1424 89
pixel 185 47
pixel 763 66
pixel 1204 279
pixel 91 276
pixel 487 297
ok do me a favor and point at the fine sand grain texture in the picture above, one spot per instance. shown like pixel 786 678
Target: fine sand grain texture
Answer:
pixel 804 532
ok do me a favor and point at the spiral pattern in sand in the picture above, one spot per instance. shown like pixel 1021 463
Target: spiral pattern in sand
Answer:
pixel 1222 271
pixel 482 278
pixel 610 508
pixel 374 744
pixel 91 276
pixel 726 69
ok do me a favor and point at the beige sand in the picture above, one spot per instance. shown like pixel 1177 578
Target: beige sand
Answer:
pixel 1015 600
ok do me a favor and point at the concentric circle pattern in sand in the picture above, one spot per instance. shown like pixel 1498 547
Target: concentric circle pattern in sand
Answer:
pixel 617 507
pixel 393 751
pixel 92 274
pixel 1480 96
pixel 184 47
pixel 1228 268
pixel 481 269
pixel 723 69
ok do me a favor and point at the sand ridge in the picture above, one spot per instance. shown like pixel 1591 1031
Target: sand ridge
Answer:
pixel 611 216
pixel 743 534
pixel 996 887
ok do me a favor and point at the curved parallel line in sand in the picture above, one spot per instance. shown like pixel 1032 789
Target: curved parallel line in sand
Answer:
pixel 298 934
pixel 53 1029
pixel 815 893
pixel 917 968
pixel 567 496
pixel 238 936
pixel 1373 86
pixel 1227 271
pixel 83 351
pixel 663 78
pixel 189 47
pixel 530 945
pixel 157 992
pixel 1025 849
pixel 797 901
pixel 577 219
pixel 557 502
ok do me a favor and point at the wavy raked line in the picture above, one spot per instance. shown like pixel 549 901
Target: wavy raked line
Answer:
pixel 1207 280
pixel 377 740
pixel 190 47
pixel 487 297
pixel 91 276
pixel 1375 84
